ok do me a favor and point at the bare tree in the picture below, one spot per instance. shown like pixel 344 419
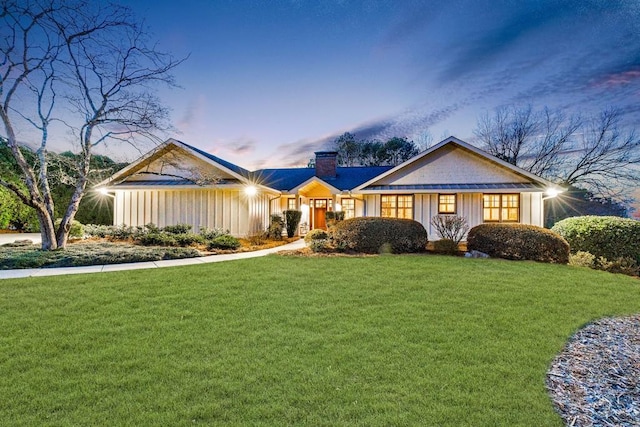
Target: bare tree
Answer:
pixel 80 66
pixel 605 157
pixel 507 132
pixel 594 154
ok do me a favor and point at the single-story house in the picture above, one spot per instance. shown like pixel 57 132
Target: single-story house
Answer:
pixel 179 183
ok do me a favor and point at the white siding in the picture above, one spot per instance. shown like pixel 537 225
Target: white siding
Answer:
pixel 452 165
pixel 226 209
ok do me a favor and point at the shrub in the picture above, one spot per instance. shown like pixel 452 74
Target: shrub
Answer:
pixel 76 230
pixel 224 242
pixel 452 227
pixel 319 245
pixel 317 234
pixel 368 235
pixel 518 242
pixel 622 265
pixel 582 259
pixel 158 239
pixel 210 234
pixel 610 237
pixel 292 220
pixel 188 239
pixel 276 227
pixel 445 247
pixel 177 229
pixel 121 232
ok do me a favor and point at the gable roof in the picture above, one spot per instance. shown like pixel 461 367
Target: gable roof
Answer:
pixel 235 171
pixel 535 182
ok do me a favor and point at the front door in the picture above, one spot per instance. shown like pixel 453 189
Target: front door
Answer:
pixel 318 211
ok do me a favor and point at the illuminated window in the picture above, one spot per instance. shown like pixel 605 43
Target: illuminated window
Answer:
pixel 446 203
pixel 501 207
pixel 397 207
pixel 291 204
pixel 349 208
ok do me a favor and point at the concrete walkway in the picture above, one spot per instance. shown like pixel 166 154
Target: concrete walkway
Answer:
pixel 39 272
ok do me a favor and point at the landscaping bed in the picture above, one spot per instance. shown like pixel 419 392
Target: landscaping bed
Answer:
pixel 100 251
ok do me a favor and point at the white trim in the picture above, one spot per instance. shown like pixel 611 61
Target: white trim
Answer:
pixel 331 188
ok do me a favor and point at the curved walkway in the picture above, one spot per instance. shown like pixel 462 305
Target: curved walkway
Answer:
pixel 39 272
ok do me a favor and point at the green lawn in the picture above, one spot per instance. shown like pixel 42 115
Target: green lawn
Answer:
pixel 392 340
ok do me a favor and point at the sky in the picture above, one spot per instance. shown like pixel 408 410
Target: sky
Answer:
pixel 268 82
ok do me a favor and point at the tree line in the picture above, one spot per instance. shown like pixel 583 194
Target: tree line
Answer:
pixel 61 170
pixel 361 152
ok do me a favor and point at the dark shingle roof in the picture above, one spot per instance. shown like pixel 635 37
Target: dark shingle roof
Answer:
pixel 347 178
pixel 237 169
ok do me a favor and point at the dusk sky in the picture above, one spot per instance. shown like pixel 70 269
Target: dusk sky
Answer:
pixel 268 83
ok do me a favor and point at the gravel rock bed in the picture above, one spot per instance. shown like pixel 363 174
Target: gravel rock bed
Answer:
pixel 595 381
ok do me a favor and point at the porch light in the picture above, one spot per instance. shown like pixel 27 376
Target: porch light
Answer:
pixel 250 190
pixel 338 207
pixel 551 193
pixel 104 192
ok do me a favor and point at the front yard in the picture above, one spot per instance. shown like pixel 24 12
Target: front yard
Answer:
pixel 285 340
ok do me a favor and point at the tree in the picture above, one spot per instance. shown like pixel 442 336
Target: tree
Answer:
pixel 77 67
pixel 348 149
pixel 355 152
pixel 593 153
pixel 398 150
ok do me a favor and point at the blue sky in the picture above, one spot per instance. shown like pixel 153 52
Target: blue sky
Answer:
pixel 267 83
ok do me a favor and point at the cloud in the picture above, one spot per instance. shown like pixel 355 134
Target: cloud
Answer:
pixel 193 113
pixel 296 153
pixel 241 146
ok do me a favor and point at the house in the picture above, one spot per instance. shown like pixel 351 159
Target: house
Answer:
pixel 178 183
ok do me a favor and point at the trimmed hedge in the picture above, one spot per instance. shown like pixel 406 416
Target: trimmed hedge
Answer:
pixel 610 237
pixel 371 235
pixel 519 242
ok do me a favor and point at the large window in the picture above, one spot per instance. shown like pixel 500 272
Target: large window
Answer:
pixel 446 203
pixel 349 208
pixel 394 206
pixel 501 207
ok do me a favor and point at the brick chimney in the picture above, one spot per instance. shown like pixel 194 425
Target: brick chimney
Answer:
pixel 326 163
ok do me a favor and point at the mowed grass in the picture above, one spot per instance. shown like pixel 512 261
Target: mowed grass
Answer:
pixel 390 340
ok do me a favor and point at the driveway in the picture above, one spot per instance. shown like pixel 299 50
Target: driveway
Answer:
pixel 12 237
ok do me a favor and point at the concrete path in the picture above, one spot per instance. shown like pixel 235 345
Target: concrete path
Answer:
pixel 39 272
pixel 12 237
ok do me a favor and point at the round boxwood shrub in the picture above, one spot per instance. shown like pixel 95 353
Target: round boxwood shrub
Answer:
pixel 518 242
pixel 610 237
pixel 371 235
pixel 317 234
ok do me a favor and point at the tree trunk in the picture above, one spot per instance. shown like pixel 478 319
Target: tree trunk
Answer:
pixel 47 231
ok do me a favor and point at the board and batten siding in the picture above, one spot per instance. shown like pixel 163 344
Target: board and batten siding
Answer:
pixel 210 208
pixel 469 206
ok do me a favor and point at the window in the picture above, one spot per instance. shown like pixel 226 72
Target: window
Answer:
pixel 291 204
pixel 501 207
pixel 349 208
pixel 446 203
pixel 397 207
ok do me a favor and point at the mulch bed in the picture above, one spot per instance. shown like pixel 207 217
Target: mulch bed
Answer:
pixel 595 381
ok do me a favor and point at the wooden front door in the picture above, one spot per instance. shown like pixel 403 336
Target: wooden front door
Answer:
pixel 318 211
